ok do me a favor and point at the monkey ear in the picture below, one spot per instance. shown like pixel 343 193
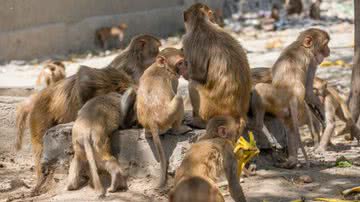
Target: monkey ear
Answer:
pixel 160 59
pixel 308 42
pixel 222 132
pixel 142 43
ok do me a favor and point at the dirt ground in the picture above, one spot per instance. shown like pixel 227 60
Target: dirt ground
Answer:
pixel 269 184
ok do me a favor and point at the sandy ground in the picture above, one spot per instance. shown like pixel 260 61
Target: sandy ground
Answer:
pixel 269 184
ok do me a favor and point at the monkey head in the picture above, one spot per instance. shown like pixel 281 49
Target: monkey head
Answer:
pixel 53 72
pixel 146 48
pixel 123 26
pixel 174 61
pixel 316 40
pixel 223 127
pixel 198 13
pixel 319 88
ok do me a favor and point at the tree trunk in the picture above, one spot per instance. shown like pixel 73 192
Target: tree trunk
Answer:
pixel 354 98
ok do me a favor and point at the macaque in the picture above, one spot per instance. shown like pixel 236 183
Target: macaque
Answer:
pixel 292 87
pixel 334 105
pixel 60 103
pixel 158 105
pixel 208 159
pixel 195 189
pixel 315 10
pixel 293 7
pixel 219 70
pixel 51 73
pixel 138 56
pixel 96 121
pixel 275 12
pixel 104 34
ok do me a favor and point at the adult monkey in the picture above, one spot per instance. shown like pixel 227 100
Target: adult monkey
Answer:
pixel 218 66
pixel 293 76
pixel 138 56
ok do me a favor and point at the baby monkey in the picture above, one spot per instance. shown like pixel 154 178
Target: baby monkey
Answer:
pixel 96 121
pixel 208 159
pixel 158 105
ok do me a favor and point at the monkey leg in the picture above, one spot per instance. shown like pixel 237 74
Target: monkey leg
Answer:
pixel 118 181
pixel 329 130
pixel 314 133
pixel 178 128
pixel 197 122
pixel 161 154
pixel 90 155
pixel 74 171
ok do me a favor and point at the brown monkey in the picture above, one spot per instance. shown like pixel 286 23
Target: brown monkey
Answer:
pixel 51 73
pixel 138 56
pixel 211 156
pixel 315 10
pixel 293 7
pixel 195 189
pixel 275 12
pixel 292 84
pixel 60 103
pixel 219 70
pixel 96 121
pixel 263 75
pixel 158 105
pixel 334 105
pixel 104 34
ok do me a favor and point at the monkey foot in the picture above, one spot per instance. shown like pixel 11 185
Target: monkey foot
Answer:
pixel 349 137
pixel 291 163
pixel 180 130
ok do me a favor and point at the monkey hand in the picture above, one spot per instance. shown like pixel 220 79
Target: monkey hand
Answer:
pixel 244 151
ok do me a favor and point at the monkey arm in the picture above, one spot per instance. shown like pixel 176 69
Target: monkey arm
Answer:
pixel 230 167
pixel 197 71
pixel 310 97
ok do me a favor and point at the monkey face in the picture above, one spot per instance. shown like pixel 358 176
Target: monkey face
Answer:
pixel 182 68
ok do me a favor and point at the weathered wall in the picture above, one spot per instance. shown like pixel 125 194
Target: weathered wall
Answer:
pixel 38 28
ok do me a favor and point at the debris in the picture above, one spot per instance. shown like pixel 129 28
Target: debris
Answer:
pixel 351 190
pixel 342 162
pixel 305 179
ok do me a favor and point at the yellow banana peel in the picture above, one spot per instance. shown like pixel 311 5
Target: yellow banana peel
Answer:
pixel 331 200
pixel 351 190
pixel 341 63
pixel 244 151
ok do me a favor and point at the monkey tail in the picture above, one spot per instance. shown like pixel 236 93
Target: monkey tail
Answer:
pixel 22 112
pixel 90 156
pixel 161 155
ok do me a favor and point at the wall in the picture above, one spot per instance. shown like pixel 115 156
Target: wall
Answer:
pixel 38 28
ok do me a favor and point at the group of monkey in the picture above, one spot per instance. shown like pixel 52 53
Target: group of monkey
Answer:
pixel 140 85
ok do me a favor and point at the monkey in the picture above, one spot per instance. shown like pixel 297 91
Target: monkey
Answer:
pixel 60 103
pixel 263 75
pixel 195 189
pixel 96 121
pixel 292 85
pixel 275 12
pixel 138 56
pixel 209 157
pixel 315 10
pixel 218 67
pixel 104 34
pixel 334 105
pixel 158 105
pixel 293 7
pixel 51 73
